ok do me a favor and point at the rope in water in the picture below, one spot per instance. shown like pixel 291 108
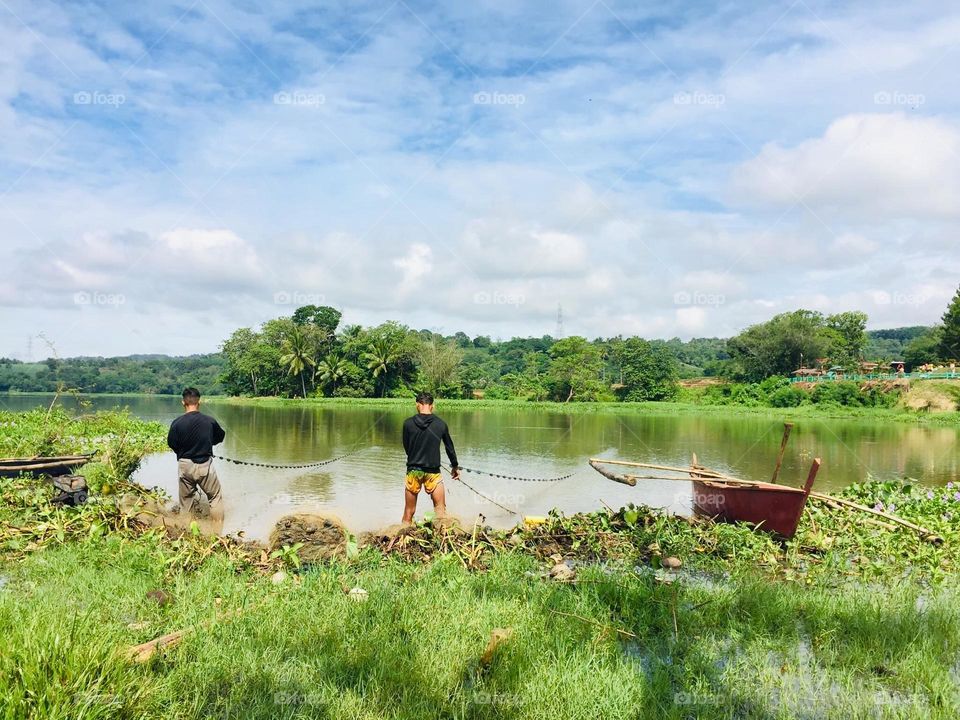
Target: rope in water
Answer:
pixel 514 477
pixel 286 467
pixel 341 457
pixel 480 494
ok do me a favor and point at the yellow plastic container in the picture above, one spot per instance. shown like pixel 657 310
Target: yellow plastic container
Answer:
pixel 534 520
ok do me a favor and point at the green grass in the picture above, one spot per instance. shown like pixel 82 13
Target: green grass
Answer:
pixel 848 620
pixel 649 408
pixel 898 414
pixel 750 629
pixel 742 648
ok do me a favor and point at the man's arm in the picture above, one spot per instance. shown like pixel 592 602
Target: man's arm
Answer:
pixel 172 437
pixel 218 433
pixel 406 437
pixel 451 452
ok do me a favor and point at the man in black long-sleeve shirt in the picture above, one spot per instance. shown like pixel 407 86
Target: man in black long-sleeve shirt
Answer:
pixel 192 437
pixel 422 435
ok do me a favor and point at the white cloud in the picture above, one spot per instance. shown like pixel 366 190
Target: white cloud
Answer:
pixel 865 165
pixel 599 193
pixel 502 249
pixel 416 265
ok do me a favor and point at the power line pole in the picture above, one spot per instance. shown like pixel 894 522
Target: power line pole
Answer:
pixel 559 334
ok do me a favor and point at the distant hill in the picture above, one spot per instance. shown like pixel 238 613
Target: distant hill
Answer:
pixel 890 343
pixel 154 374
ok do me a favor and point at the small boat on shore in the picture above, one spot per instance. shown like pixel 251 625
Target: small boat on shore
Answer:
pixel 768 506
pixel 54 466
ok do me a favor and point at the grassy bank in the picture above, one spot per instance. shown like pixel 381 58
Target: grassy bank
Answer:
pixel 611 645
pixel 927 403
pixel 896 414
pixel 851 619
pixel 117 439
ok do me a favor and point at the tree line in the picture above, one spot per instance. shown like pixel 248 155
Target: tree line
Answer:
pixel 310 353
pixel 152 374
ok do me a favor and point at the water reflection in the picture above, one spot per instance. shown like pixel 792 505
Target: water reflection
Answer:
pixel 366 489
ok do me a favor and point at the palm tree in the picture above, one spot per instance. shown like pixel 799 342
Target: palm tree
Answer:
pixel 296 357
pixel 331 369
pixel 380 357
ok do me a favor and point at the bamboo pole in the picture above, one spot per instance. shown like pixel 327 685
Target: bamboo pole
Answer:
pixel 37 458
pixel 787 427
pixel 928 535
pixel 704 472
pixel 28 466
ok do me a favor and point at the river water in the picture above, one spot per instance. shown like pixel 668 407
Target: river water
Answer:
pixel 365 490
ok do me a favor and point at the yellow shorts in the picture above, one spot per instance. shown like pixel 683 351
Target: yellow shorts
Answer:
pixel 418 478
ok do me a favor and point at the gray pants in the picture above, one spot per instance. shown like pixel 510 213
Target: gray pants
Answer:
pixel 204 476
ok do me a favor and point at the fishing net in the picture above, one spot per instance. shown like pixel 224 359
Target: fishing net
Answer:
pixel 323 537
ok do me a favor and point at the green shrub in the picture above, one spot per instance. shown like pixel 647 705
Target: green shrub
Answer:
pixel 788 397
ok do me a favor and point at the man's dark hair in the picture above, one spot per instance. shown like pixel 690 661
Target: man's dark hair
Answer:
pixel 191 396
pixel 424 398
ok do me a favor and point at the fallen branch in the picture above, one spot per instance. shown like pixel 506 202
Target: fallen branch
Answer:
pixel 144 651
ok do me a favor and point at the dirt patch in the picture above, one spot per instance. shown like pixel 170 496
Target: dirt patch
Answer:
pixel 153 513
pixel 932 397
pixel 899 385
pixel 700 382
pixel 323 537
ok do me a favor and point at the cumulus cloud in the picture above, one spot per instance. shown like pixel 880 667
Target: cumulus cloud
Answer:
pixel 868 165
pixel 499 249
pixel 600 192
pixel 171 269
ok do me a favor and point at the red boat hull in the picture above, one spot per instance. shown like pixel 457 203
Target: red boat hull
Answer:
pixel 774 508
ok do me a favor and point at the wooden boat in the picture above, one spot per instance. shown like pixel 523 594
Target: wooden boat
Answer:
pixel 767 505
pixel 51 466
pixel 772 507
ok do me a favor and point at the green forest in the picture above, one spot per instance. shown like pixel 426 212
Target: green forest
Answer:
pixel 312 354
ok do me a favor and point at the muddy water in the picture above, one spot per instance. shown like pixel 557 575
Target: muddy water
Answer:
pixel 365 490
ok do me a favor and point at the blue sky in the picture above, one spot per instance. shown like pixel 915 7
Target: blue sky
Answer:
pixel 171 171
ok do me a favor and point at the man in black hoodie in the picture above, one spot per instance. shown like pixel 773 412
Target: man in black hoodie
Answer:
pixel 192 437
pixel 422 435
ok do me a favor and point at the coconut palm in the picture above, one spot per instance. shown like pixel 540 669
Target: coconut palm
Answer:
pixel 380 358
pixel 331 370
pixel 296 357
